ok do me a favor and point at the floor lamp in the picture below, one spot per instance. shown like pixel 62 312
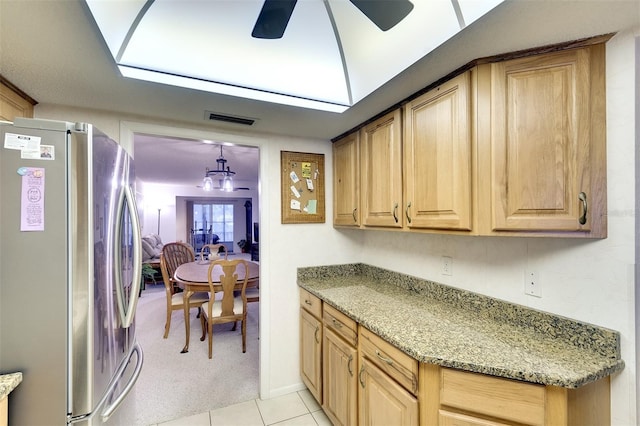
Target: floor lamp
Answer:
pixel 158 221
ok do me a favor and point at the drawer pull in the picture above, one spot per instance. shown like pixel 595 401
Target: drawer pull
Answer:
pixel 387 360
pixel 349 365
pixel 360 379
pixel 316 334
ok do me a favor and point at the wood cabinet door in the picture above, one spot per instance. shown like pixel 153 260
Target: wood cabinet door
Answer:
pixel 13 105
pixel 346 181
pixel 437 157
pixel 542 123
pixel 311 353
pixel 340 386
pixel 382 401
pixel 381 144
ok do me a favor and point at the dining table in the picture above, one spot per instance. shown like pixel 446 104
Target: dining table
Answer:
pixel 193 277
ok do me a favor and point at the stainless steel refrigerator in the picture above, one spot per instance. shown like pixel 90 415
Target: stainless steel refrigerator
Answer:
pixel 70 263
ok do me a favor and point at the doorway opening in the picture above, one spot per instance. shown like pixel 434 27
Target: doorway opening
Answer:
pixel 192 215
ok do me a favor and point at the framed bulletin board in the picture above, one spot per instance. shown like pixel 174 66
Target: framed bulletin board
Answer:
pixel 302 191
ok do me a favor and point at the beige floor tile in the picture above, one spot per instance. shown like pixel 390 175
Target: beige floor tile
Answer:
pixel 321 418
pixel 243 414
pixel 281 408
pixel 305 420
pixel 201 419
pixel 309 400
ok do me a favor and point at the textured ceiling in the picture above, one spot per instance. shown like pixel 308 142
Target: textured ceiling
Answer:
pixel 54 52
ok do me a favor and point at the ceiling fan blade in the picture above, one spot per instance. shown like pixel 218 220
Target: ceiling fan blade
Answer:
pixel 273 18
pixel 386 14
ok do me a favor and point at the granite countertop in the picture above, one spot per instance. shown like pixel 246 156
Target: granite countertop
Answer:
pixel 438 324
pixel 8 382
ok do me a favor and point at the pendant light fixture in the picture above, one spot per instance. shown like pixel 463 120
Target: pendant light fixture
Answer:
pixel 226 183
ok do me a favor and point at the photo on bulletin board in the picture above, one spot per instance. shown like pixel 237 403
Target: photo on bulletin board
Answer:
pixel 302 189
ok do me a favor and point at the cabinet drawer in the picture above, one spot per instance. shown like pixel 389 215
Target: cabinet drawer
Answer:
pixel 341 324
pixel 400 366
pixel 447 418
pixel 311 303
pixel 493 396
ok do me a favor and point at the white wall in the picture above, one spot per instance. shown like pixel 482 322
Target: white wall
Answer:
pixel 591 281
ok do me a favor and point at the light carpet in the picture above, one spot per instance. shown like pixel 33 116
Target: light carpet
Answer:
pixel 174 385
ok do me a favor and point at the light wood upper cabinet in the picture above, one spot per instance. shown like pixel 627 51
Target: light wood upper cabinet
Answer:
pixel 346 181
pixel 381 171
pixel 14 103
pixel 511 147
pixel 437 157
pixel 547 140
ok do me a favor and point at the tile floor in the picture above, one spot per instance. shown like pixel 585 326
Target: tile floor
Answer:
pixel 294 409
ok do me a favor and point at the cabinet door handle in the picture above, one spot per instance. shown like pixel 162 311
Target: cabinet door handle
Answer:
pixel 387 360
pixel 354 215
pixel 583 218
pixel 315 335
pixel 407 212
pixel 395 212
pixel 360 377
pixel 349 365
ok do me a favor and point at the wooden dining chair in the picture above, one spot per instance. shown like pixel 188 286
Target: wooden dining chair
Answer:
pixel 172 256
pixel 224 306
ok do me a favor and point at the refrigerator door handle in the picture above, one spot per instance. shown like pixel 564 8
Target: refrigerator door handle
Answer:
pixel 108 411
pixel 126 315
pixel 115 381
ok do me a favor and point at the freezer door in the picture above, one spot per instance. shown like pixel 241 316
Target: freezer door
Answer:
pixel 34 280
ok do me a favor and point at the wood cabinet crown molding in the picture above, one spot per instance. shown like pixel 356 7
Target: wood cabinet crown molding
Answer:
pixel 550 48
pixel 14 102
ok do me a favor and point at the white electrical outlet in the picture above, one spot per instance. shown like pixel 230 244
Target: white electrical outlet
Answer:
pixel 447 265
pixel 532 285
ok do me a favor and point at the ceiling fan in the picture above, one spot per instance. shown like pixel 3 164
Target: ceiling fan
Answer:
pixel 275 14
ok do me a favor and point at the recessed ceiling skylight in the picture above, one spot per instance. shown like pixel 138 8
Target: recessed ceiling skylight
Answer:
pixel 330 54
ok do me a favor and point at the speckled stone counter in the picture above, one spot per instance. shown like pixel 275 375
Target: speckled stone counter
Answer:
pixel 8 382
pixel 438 324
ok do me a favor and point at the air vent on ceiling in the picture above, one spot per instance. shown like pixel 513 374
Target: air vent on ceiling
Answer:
pixel 214 116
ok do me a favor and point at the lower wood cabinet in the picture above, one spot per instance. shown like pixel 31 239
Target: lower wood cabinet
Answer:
pixel 388 383
pixel 381 400
pixel 339 367
pixel 359 378
pixel 311 343
pixel 466 399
